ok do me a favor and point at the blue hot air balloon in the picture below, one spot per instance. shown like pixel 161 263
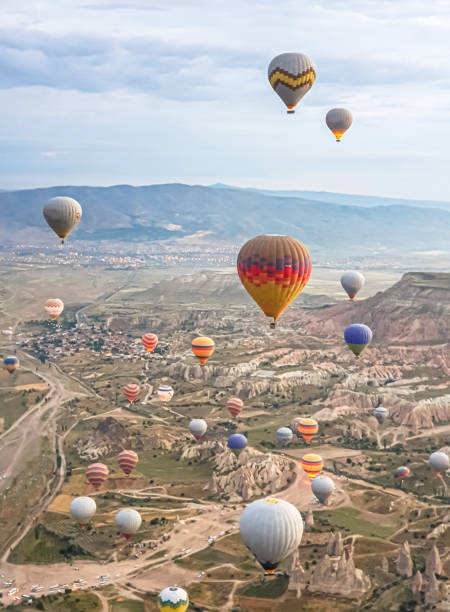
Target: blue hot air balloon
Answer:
pixel 11 364
pixel 237 443
pixel 357 336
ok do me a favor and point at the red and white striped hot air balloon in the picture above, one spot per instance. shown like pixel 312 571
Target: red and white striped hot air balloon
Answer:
pixel 234 406
pixel 131 391
pixel 97 473
pixel 127 460
pixel 150 342
pixel 54 307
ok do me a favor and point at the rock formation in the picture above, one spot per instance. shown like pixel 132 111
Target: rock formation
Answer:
pixel 417 583
pixel 432 591
pixel 384 564
pixel 309 520
pixel 335 546
pixel 404 561
pixel 433 564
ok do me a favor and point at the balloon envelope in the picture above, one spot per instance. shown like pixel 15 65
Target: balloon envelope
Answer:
pixel 402 472
pixel 357 336
pixel 339 120
pixel 439 462
pixel 203 348
pixel 127 460
pixel 271 529
pixel 128 521
pixel 234 406
pixel 150 342
pixel 291 75
pixel 198 428
pixel 312 464
pixel 237 442
pixel 54 307
pixel 11 363
pixel 322 487
pixel 173 599
pixel 131 391
pixel 83 509
pixel 352 282
pixel 284 435
pixel 97 473
pixel 308 428
pixel 273 270
pixel 381 414
pixel 62 214
pixel 165 393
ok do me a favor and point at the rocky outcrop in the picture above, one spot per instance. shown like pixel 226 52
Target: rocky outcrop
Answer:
pixel 432 591
pixel 335 545
pixel 433 564
pixel 417 584
pixel 404 561
pixel 384 564
pixel 309 520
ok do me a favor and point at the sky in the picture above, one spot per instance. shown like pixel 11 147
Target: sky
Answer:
pixel 106 92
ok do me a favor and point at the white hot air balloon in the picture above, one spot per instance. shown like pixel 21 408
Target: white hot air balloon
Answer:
pixel 62 214
pixel 173 599
pixel 322 487
pixel 7 332
pixel 198 428
pixel 83 509
pixel 381 414
pixel 339 120
pixel 128 521
pixel 352 282
pixel 165 393
pixel 271 529
pixel 291 75
pixel 284 435
pixel 54 307
pixel 439 462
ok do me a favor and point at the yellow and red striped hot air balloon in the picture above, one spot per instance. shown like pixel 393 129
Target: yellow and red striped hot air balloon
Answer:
pixel 97 473
pixel 54 307
pixel 127 460
pixel 274 270
pixel 150 342
pixel 131 391
pixel 203 347
pixel 308 428
pixel 234 406
pixel 312 464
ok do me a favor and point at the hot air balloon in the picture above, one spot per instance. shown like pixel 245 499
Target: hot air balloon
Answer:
pixel 165 393
pixel 274 270
pixel 128 522
pixel 234 406
pixel 54 307
pixel 402 472
pixel 150 342
pixel 198 428
pixel 127 460
pixel 439 462
pixel 357 336
pixel 203 348
pixel 338 120
pixel 312 464
pixel 97 473
pixel 284 435
pixel 308 428
pixel 381 414
pixel 7 332
pixel 83 509
pixel 62 214
pixel 236 443
pixel 352 282
pixel 291 75
pixel 271 529
pixel 322 487
pixel 131 391
pixel 11 364
pixel 173 599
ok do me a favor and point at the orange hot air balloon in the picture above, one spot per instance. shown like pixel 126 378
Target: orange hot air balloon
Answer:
pixel 54 307
pixel 234 406
pixel 131 391
pixel 150 342
pixel 308 428
pixel 274 270
pixel 312 464
pixel 97 473
pixel 127 461
pixel 203 348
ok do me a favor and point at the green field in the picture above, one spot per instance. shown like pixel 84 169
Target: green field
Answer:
pixel 267 588
pixel 349 520
pixel 127 605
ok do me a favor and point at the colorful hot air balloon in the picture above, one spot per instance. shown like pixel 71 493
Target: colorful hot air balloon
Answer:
pixel 127 460
pixel 83 509
pixel 165 393
pixel 402 472
pixel 312 464
pixel 271 529
pixel 128 521
pixel 237 442
pixel 131 391
pixel 381 414
pixel 198 428
pixel 308 428
pixel 322 487
pixel 339 120
pixel 274 270
pixel 97 473
pixel 284 435
pixel 62 214
pixel 173 599
pixel 439 462
pixel 234 406
pixel 11 363
pixel 357 336
pixel 54 307
pixel 352 282
pixel 150 342
pixel 291 75
pixel 203 347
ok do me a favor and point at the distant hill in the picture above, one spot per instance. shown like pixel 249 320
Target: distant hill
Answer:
pixel 165 212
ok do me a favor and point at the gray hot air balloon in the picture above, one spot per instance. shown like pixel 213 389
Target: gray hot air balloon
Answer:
pixel 128 521
pixel 352 282
pixel 291 75
pixel 338 120
pixel 198 428
pixel 62 214
pixel 322 487
pixel 381 414
pixel 83 509
pixel 271 529
pixel 439 462
pixel 284 435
